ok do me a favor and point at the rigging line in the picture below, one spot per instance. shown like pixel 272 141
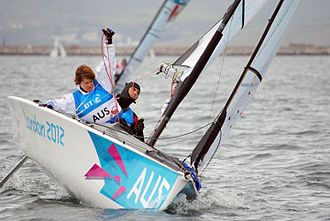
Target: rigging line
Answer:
pixel 146 75
pixel 182 41
pixel 140 75
pixel 156 61
pixel 145 137
pixel 102 53
pixel 107 128
pixel 107 68
pixel 221 68
pixel 109 74
pixel 110 79
pixel 185 134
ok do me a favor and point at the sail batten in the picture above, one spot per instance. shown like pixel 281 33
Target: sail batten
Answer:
pixel 247 84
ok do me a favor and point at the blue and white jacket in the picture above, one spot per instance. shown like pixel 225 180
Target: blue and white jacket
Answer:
pixel 99 105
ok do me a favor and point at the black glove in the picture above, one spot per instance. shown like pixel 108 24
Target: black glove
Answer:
pixel 42 104
pixel 37 101
pixel 139 126
pixel 108 35
pixel 123 124
pixel 139 130
pixel 46 105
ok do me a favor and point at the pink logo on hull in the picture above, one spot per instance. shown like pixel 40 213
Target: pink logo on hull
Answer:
pixel 96 172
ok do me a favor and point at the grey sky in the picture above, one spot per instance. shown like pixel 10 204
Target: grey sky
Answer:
pixel 78 22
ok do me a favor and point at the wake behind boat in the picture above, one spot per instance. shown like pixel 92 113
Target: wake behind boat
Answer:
pixel 108 168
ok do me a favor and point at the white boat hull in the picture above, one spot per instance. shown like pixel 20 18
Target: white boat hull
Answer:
pixel 96 168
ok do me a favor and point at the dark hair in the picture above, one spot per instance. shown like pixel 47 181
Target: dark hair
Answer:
pixel 132 84
pixel 83 71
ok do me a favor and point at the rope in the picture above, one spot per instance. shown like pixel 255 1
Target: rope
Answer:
pixel 162 138
pixel 109 74
pixel 185 134
pixel 108 69
pixel 146 75
pixel 220 72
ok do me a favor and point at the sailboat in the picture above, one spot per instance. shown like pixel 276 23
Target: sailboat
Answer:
pixel 106 167
pixel 166 14
pixel 58 50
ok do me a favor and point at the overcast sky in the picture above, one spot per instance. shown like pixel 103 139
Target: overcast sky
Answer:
pixel 79 21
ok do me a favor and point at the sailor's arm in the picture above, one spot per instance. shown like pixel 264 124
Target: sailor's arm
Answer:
pixel 108 66
pixel 64 105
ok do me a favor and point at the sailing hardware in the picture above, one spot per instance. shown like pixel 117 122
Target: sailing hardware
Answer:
pixel 189 81
pixel 171 72
pixel 192 173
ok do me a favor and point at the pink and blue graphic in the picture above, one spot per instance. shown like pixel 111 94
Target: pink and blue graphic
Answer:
pixel 130 179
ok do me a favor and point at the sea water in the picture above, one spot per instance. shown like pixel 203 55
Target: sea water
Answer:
pixel 275 165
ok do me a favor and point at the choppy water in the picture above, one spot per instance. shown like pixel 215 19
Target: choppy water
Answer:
pixel 274 166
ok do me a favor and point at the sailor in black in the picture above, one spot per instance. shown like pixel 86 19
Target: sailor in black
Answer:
pixel 128 119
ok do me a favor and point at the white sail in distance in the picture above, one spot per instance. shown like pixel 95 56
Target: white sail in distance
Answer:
pixel 58 50
pixel 248 83
pixel 165 15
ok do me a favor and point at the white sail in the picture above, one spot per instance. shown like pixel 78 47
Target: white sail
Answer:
pixel 58 50
pixel 251 7
pixel 202 53
pixel 54 51
pixel 252 76
pixel 166 14
pixel 62 50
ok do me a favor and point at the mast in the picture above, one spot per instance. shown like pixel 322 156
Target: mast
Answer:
pixel 184 87
pixel 242 94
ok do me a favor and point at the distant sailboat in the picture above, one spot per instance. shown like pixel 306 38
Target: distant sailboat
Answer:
pixel 58 50
pixel 165 15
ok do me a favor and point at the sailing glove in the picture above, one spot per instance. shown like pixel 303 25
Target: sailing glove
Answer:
pixel 124 125
pixel 42 104
pixel 47 105
pixel 139 130
pixel 108 35
pixel 140 125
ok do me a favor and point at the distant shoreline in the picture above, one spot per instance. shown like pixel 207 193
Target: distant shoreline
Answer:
pixel 293 49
